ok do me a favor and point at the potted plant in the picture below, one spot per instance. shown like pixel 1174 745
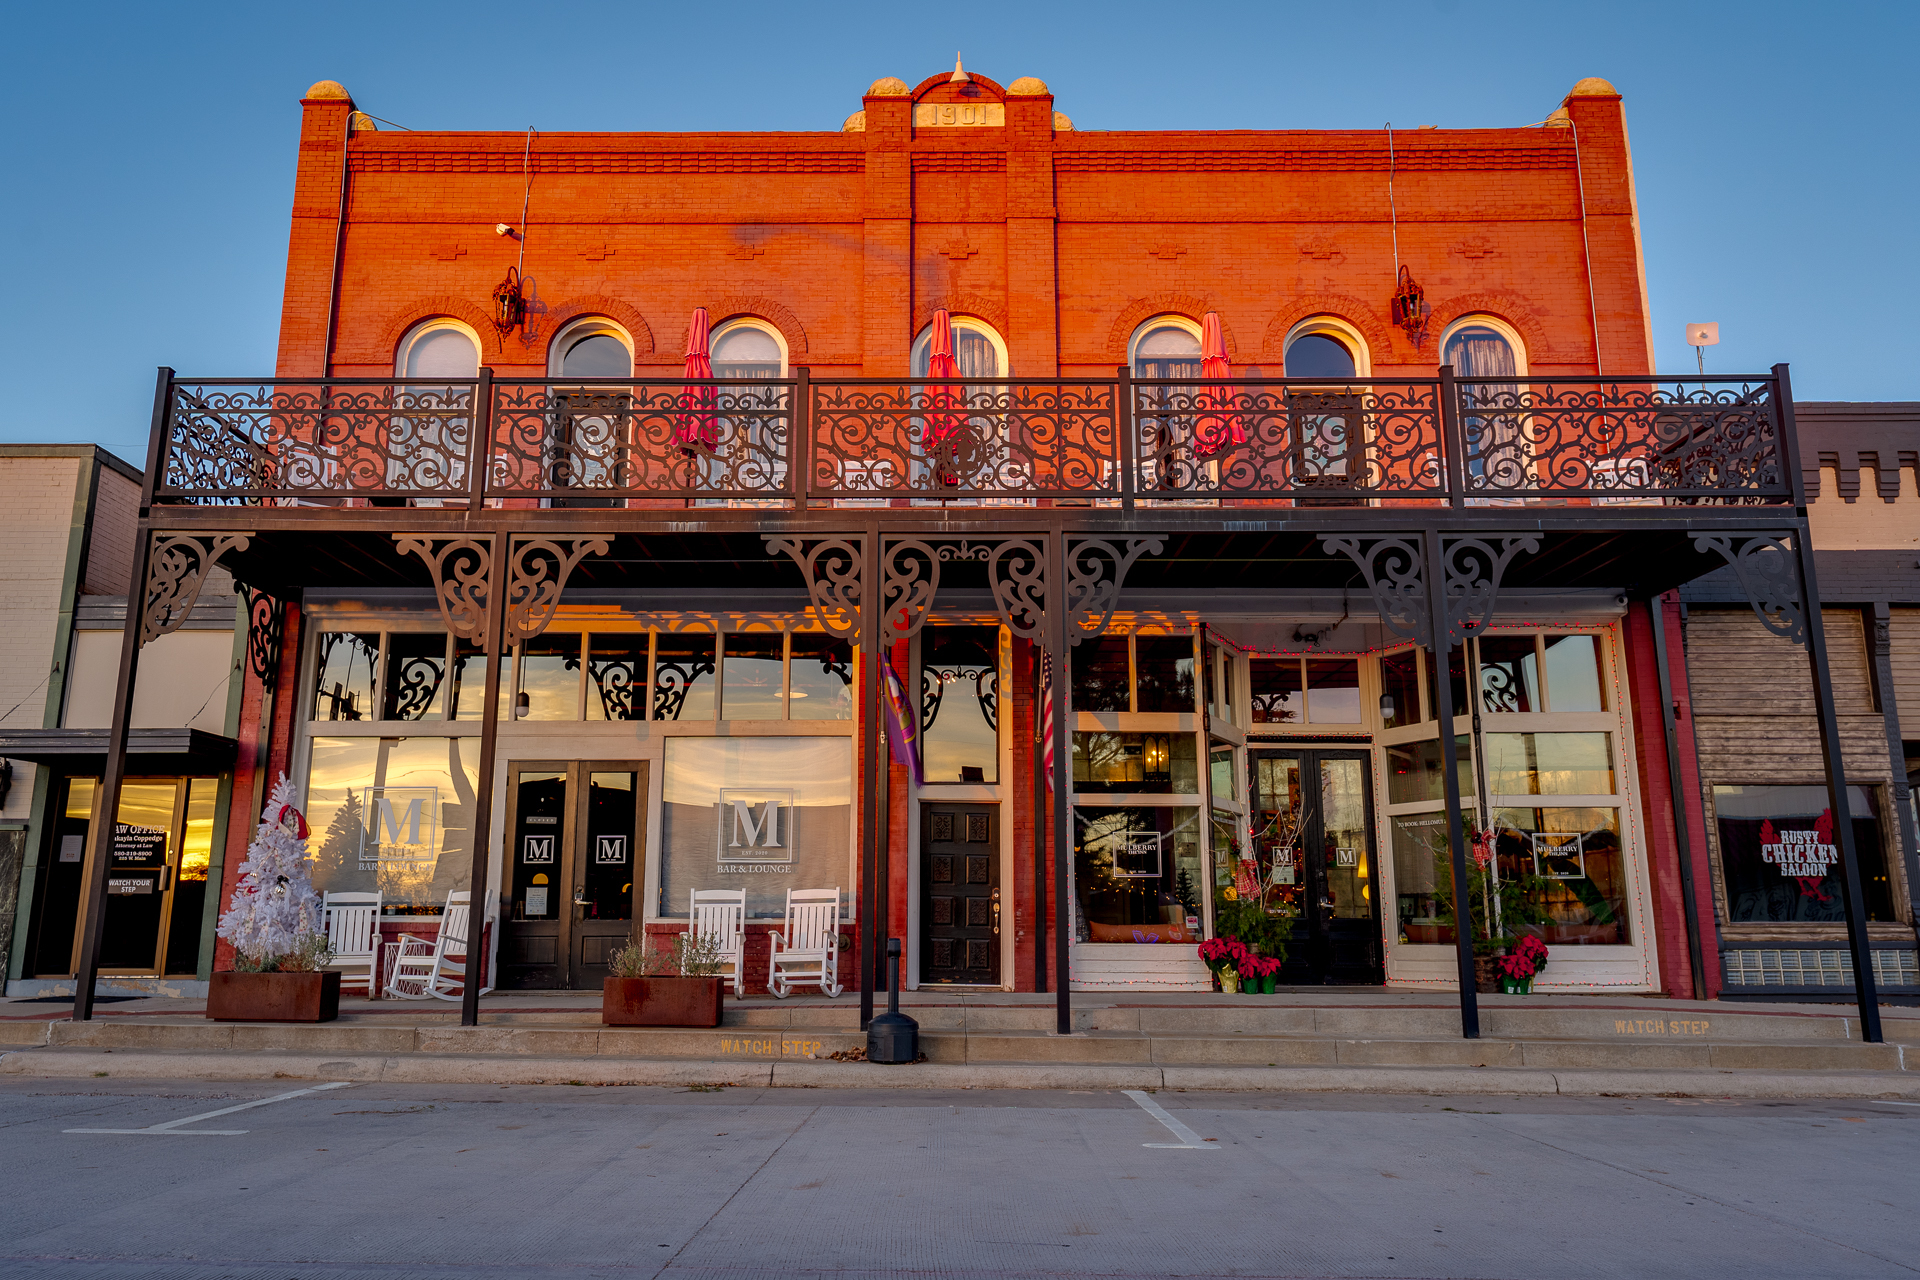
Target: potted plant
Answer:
pixel 677 985
pixel 1518 967
pixel 280 967
pixel 1265 970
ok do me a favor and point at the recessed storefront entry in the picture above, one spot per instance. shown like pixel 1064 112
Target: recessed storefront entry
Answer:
pixel 574 861
pixel 1313 841
pixel 960 894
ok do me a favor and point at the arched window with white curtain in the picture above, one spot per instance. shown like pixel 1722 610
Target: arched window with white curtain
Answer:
pixel 427 437
pixel 978 351
pixel 1481 350
pixel 590 422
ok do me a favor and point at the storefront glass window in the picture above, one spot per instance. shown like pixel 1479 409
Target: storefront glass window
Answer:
pixel 683 677
pixel 1414 770
pixel 1573 673
pixel 755 668
pixel 761 814
pixel 469 684
pixel 1782 863
pixel 959 704
pixel 1561 876
pixel 1419 869
pixel 617 676
pixel 392 815
pixel 1550 764
pixel 549 677
pixel 344 675
pixel 1333 690
pixel 1137 873
pixel 1165 673
pixel 1222 778
pixel 1278 694
pixel 1102 679
pixel 1509 675
pixel 1399 689
pixel 1139 763
pixel 1456 683
pixel 821 677
pixel 416 676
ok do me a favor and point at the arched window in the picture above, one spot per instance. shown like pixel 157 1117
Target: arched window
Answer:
pixel 438 348
pixel 590 348
pixel 1482 347
pixel 748 348
pixel 1498 451
pixel 1166 347
pixel 1326 347
pixel 978 351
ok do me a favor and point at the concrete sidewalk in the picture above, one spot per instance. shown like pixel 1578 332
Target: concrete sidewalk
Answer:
pixel 1319 1040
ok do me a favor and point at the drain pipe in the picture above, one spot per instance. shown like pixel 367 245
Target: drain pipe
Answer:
pixel 1677 794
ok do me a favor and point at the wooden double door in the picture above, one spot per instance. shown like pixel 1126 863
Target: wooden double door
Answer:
pixel 960 894
pixel 575 866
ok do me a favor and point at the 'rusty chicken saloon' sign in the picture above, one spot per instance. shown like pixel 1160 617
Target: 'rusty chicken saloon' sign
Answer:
pixel 1805 856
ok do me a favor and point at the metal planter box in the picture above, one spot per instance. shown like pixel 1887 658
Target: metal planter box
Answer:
pixel 274 997
pixel 661 1002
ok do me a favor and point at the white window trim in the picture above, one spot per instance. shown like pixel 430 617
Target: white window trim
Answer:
pixel 1165 321
pixel 435 324
pixel 1338 329
pixel 751 322
pixel 918 357
pixel 1499 326
pixel 584 327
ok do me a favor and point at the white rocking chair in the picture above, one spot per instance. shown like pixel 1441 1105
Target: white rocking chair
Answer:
pixel 435 967
pixel 721 914
pixel 352 925
pixel 807 951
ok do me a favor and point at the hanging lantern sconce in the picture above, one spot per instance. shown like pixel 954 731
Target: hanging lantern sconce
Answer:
pixel 1410 307
pixel 509 302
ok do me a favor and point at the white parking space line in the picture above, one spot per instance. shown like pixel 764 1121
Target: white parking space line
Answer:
pixel 172 1127
pixel 1189 1140
pixel 1880 1102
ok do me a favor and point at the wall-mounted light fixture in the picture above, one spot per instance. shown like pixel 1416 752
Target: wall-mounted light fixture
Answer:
pixel 509 303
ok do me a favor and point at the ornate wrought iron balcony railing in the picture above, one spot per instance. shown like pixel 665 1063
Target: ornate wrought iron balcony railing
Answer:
pixel 802 442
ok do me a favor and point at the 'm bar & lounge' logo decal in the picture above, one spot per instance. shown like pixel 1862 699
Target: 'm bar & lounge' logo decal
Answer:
pixel 401 826
pixel 756 830
pixel 1803 855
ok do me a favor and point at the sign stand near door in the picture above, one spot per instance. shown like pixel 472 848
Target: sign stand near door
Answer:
pixel 573 864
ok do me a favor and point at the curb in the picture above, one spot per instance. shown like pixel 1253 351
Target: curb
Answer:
pixel 72 1064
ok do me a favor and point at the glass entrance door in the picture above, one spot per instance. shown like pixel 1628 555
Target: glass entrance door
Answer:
pixel 1313 845
pixel 158 855
pixel 574 861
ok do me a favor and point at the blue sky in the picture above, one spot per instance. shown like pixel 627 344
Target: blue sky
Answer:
pixel 150 148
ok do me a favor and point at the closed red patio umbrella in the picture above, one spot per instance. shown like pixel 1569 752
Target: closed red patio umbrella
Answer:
pixel 941 427
pixel 1214 431
pixel 698 430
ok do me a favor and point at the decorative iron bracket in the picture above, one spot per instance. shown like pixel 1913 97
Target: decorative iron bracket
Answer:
pixel 462 570
pixel 266 628
pixel 1395 572
pixel 537 572
pixel 176 571
pixel 831 567
pixel 1096 570
pixel 1769 575
pixel 1017 573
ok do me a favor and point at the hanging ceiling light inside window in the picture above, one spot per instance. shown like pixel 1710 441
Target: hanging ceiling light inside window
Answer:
pixel 509 303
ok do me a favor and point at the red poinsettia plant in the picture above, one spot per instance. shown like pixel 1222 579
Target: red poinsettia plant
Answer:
pixel 1260 967
pixel 1528 957
pixel 1226 953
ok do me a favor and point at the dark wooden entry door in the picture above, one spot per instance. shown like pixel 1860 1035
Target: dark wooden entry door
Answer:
pixel 1313 840
pixel 960 894
pixel 574 863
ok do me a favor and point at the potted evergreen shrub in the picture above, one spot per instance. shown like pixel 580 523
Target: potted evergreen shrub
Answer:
pixel 279 972
pixel 677 985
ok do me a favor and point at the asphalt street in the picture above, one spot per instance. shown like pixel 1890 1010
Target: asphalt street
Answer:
pixel 443 1181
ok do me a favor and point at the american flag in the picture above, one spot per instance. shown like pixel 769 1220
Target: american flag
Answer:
pixel 1046 717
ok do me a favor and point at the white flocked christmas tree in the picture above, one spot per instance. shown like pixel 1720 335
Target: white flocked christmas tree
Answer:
pixel 275 911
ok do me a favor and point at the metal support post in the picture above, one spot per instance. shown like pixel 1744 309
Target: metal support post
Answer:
pixel 1057 623
pixel 1676 789
pixel 1039 912
pixel 872 601
pixel 1436 575
pixel 1852 891
pixel 497 659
